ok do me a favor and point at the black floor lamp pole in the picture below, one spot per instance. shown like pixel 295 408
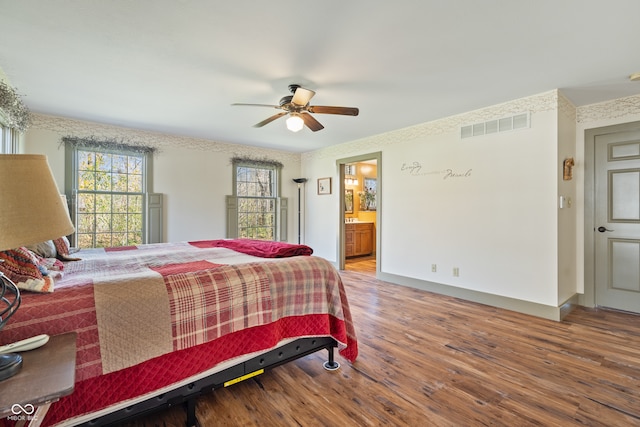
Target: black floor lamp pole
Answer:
pixel 299 181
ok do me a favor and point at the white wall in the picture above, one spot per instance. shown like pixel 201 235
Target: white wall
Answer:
pixel 3 77
pixel 567 216
pixel 497 222
pixel 195 183
pixel 42 141
pixel 322 220
pixel 194 175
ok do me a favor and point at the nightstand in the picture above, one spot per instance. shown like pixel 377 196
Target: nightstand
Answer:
pixel 47 374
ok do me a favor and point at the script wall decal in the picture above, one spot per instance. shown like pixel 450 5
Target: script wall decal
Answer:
pixel 415 169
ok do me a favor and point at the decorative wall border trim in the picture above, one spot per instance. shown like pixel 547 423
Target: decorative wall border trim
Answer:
pixel 615 109
pixel 547 101
pixel 83 129
pixel 566 107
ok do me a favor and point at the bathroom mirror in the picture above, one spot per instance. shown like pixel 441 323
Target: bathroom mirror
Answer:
pixel 348 201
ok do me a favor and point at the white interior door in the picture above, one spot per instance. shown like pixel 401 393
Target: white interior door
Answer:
pixel 617 220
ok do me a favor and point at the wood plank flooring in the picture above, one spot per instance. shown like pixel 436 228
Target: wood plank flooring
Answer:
pixel 364 265
pixel 427 359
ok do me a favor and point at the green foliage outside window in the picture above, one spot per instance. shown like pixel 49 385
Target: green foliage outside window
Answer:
pixel 256 189
pixel 110 195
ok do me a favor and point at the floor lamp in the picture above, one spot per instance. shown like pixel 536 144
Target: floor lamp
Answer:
pixel 31 211
pixel 300 182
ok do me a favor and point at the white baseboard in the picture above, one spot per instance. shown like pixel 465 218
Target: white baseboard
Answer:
pixel 526 307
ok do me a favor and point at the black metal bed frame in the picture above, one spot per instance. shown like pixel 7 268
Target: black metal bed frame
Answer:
pixel 187 394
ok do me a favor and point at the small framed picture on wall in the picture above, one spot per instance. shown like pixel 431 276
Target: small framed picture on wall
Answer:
pixel 324 185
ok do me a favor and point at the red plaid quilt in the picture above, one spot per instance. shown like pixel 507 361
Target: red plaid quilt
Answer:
pixel 137 309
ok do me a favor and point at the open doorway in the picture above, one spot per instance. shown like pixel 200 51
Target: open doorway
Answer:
pixel 360 207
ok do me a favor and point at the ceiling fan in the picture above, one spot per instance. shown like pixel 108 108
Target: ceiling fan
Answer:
pixel 297 107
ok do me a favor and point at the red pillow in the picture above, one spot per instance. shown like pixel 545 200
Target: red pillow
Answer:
pixel 21 267
pixel 62 245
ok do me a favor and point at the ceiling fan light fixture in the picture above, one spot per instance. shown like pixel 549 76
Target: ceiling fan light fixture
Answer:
pixel 299 113
pixel 295 123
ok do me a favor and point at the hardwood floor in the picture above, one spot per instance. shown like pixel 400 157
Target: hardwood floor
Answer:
pixel 364 265
pixel 427 359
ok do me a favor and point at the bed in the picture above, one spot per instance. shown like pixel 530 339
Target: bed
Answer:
pixel 160 324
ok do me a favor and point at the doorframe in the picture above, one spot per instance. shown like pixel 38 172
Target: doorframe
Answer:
pixel 588 299
pixel 377 156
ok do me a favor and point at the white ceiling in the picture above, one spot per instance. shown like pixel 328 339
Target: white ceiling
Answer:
pixel 175 66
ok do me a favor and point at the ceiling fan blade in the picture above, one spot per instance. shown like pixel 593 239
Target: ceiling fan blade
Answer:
pixel 270 119
pixel 255 105
pixel 311 122
pixel 302 96
pixel 323 109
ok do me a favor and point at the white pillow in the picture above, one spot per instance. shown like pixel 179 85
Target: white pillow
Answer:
pixel 45 249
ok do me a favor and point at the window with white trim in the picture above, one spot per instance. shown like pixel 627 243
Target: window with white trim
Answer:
pixel 256 210
pixel 109 193
pixel 9 139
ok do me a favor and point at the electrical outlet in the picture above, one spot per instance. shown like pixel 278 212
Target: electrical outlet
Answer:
pixel 456 272
pixel 434 268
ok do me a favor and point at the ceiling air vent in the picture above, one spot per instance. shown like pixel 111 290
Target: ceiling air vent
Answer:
pixel 518 121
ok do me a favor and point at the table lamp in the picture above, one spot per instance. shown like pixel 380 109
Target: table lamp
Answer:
pixel 31 211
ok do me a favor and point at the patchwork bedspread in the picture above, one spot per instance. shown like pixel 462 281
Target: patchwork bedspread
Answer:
pixel 151 315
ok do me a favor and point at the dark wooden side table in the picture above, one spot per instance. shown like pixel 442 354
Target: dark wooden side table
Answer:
pixel 47 374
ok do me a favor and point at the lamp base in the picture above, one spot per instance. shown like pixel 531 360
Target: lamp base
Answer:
pixel 10 365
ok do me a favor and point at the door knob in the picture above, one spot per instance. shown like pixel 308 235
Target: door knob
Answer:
pixel 602 229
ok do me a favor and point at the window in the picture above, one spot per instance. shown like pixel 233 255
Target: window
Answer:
pixel 9 138
pixel 109 193
pixel 256 192
pixel 255 209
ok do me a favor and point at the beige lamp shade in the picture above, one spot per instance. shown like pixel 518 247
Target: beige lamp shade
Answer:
pixel 31 209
